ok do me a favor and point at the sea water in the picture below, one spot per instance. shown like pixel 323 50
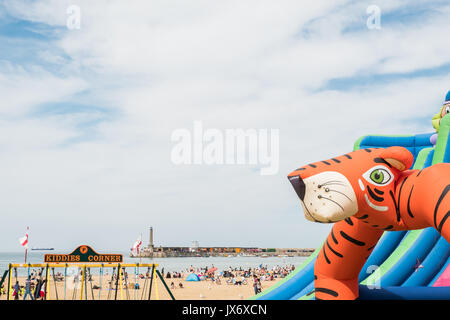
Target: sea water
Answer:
pixel 176 264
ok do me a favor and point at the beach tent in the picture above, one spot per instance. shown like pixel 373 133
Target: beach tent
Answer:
pixel 192 277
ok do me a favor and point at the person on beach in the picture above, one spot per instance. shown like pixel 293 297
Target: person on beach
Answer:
pixel 16 291
pixel 37 289
pixel 41 292
pixel 255 284
pixel 28 289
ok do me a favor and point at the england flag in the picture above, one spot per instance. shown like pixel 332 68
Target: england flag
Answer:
pixel 24 240
pixel 137 245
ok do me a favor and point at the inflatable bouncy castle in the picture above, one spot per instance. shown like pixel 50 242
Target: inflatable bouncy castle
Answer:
pixel 388 202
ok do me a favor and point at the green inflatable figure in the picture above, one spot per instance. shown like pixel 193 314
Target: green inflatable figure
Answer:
pixel 438 116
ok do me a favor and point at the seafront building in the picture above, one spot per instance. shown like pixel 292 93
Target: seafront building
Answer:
pixel 152 251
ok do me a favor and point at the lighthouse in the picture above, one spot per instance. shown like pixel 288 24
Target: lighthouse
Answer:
pixel 150 243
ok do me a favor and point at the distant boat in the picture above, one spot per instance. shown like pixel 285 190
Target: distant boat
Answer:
pixel 42 249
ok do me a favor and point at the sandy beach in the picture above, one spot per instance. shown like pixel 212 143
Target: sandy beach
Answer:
pixel 200 290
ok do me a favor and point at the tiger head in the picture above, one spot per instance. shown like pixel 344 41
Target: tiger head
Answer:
pixel 360 182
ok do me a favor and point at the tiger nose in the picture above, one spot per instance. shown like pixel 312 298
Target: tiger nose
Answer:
pixel 299 186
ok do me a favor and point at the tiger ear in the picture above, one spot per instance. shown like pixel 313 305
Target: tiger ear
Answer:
pixel 398 157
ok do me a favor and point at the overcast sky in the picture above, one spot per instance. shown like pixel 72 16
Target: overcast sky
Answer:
pixel 86 115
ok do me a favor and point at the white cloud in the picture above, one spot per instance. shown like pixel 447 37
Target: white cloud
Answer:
pixel 23 90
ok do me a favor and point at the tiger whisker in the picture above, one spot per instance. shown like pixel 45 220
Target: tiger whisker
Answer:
pixel 309 213
pixel 333 181
pixel 334 202
pixel 337 183
pixel 342 194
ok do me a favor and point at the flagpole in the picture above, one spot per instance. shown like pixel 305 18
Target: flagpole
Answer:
pixel 140 255
pixel 26 245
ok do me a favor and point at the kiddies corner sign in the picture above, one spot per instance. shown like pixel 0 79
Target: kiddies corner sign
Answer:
pixel 83 254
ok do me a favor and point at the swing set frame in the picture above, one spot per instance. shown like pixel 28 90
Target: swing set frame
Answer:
pixel 86 267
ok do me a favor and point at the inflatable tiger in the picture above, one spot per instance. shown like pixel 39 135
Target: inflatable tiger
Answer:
pixel 364 193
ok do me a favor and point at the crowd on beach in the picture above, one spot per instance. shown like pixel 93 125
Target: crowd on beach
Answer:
pixel 35 283
pixel 34 287
pixel 234 276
